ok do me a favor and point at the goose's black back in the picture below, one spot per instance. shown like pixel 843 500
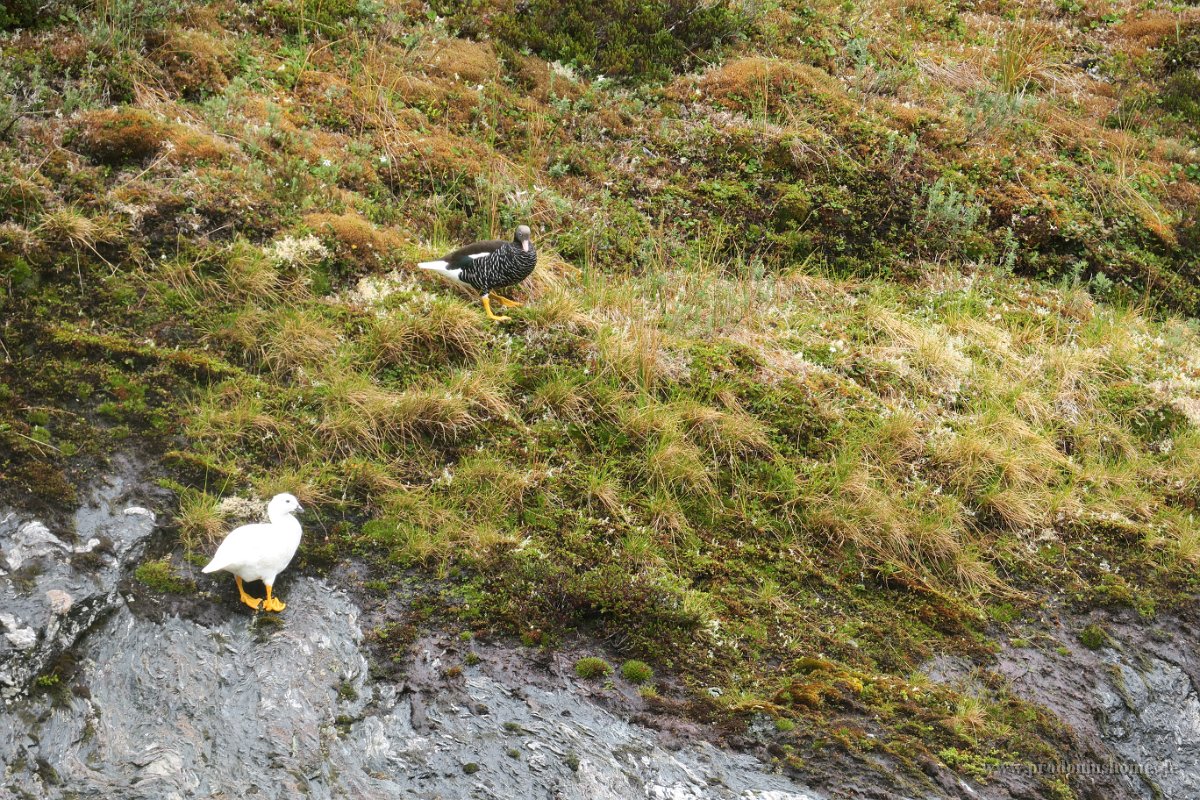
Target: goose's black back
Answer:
pixel 505 264
pixel 461 258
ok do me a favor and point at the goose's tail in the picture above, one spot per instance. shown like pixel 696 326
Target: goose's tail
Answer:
pixel 219 561
pixel 443 268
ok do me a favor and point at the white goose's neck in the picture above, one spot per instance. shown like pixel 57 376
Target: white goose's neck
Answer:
pixel 283 519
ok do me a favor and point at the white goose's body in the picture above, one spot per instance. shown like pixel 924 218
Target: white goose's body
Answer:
pixel 261 551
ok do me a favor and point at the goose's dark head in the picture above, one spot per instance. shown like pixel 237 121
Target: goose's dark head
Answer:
pixel 523 237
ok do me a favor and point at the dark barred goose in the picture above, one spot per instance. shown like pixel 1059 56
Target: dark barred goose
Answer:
pixel 487 266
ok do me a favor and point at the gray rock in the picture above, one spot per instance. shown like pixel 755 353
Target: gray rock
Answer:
pixel 64 597
pixel 289 705
pixel 60 602
pixel 31 540
pixel 1132 706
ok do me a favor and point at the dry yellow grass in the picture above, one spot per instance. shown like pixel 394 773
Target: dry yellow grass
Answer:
pixel 447 328
pixel 299 343
pixel 473 62
pixel 354 238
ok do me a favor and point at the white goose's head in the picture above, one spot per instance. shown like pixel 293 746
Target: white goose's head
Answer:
pixel 283 504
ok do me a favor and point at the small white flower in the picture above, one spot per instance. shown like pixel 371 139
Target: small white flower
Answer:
pixel 325 162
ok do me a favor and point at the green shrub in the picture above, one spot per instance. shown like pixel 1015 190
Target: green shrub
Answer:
pixel 21 13
pixel 592 667
pixel 323 16
pixel 634 39
pixel 1181 95
pixel 1182 51
pixel 635 671
pixel 1093 637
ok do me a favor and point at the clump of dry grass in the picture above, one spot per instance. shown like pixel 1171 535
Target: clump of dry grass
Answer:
pixel 201 524
pixel 360 417
pixel 354 240
pixel 241 329
pixel 473 62
pixel 765 84
pixel 354 414
pixel 634 355
pixel 488 484
pixel 250 275
pixel 561 395
pixel 193 61
pixel 446 329
pixel 1024 55
pixel 676 466
pixel 310 482
pixel 726 434
pixel 970 717
pixel 602 492
pixel 71 228
pixel 120 135
pixel 664 514
pixel 229 416
pixel 188 144
pixel 300 342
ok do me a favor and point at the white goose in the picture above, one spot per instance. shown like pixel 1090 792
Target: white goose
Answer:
pixel 262 551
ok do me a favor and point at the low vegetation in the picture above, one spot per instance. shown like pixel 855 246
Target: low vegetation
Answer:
pixel 592 667
pixel 855 331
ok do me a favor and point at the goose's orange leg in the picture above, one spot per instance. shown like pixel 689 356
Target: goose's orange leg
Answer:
pixel 273 603
pixel 504 301
pixel 249 600
pixel 487 306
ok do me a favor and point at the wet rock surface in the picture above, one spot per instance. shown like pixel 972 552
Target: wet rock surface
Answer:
pixel 1129 706
pixel 222 703
pixel 1132 702
pixel 258 706
pixel 56 585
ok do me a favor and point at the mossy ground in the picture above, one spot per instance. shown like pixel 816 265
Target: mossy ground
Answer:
pixel 866 337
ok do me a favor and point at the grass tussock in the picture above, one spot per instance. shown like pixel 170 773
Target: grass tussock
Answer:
pixel 445 330
pixel 1024 55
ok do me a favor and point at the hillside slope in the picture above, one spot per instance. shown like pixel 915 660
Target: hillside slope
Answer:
pixel 858 328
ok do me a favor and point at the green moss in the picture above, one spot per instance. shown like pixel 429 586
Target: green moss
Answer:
pixel 969 763
pixel 118 136
pixel 1004 612
pixel 159 576
pixel 591 667
pixel 48 681
pixel 633 671
pixel 1145 411
pixel 636 39
pixel 1093 637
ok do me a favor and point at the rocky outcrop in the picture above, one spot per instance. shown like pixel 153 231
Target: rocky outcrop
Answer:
pixel 1132 701
pixel 222 703
pixel 55 586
